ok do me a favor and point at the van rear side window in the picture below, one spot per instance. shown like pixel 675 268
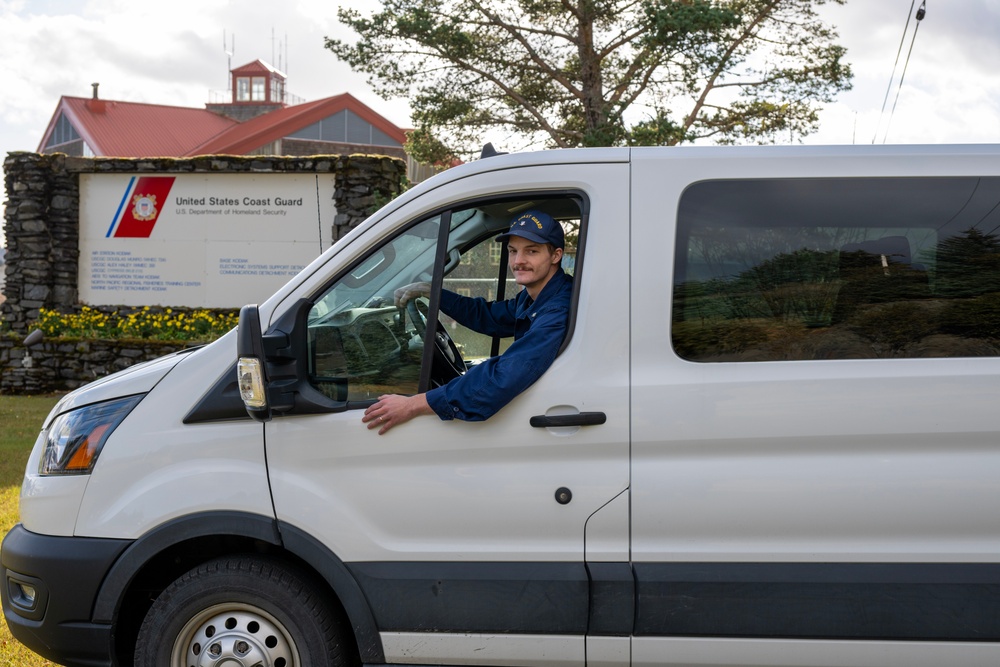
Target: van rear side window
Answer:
pixel 837 268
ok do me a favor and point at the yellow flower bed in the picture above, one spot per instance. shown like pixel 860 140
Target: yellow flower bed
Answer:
pixel 168 325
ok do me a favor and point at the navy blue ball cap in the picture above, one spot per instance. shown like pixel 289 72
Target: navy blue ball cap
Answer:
pixel 536 226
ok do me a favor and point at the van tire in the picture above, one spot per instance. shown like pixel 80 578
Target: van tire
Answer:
pixel 253 610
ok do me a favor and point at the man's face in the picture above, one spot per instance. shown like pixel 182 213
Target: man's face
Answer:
pixel 532 263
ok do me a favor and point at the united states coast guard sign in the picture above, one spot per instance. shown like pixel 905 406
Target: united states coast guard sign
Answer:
pixel 213 241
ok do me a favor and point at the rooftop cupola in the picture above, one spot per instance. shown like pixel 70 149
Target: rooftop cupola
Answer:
pixel 258 83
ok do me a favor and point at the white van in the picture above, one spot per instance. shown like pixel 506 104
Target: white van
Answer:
pixel 769 438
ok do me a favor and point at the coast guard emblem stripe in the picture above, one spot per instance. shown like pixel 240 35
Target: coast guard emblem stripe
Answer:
pixel 140 207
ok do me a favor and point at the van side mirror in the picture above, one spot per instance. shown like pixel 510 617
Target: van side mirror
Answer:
pixel 251 368
pixel 272 368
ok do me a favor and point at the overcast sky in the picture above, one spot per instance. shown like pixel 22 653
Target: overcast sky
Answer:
pixel 172 53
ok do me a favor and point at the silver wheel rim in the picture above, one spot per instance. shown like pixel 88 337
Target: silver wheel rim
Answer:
pixel 234 635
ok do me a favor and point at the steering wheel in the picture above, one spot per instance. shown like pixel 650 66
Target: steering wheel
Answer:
pixel 446 353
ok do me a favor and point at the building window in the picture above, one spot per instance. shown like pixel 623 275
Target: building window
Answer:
pixel 258 91
pixel 243 89
pixel 277 95
pixel 63 133
pixel 495 250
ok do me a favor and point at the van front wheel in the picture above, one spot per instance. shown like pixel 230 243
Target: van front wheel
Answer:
pixel 239 611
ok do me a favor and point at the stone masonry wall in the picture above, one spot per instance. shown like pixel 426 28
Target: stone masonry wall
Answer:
pixel 64 364
pixel 41 225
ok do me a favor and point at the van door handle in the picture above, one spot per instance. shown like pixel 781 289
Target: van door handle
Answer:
pixel 580 419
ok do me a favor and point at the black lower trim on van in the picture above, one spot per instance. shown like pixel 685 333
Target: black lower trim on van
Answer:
pixel 476 597
pixel 64 574
pixel 830 601
pixel 859 601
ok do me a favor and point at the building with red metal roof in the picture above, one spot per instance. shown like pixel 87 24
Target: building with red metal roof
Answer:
pixel 257 120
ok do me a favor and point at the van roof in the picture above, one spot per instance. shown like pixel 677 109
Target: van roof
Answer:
pixel 627 154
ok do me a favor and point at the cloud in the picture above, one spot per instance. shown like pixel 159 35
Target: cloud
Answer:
pixel 156 53
pixel 951 91
pixel 173 53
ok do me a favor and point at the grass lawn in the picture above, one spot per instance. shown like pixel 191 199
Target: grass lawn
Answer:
pixel 20 420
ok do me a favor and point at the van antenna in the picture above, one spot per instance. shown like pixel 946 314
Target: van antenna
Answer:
pixel 489 151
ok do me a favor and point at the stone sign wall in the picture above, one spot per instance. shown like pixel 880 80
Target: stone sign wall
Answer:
pixel 42 230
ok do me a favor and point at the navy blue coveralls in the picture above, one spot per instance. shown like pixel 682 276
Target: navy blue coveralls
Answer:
pixel 538 327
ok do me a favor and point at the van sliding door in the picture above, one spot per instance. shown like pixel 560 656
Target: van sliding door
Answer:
pixel 814 434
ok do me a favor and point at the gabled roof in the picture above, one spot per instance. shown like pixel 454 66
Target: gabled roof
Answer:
pixel 130 129
pixel 262 130
pixel 258 67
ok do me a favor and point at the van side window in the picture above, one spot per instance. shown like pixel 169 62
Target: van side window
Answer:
pixel 361 345
pixel 477 276
pixel 838 268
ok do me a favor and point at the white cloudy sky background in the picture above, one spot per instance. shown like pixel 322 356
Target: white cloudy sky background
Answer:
pixel 172 53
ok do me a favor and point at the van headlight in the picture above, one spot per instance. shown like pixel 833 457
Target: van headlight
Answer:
pixel 74 439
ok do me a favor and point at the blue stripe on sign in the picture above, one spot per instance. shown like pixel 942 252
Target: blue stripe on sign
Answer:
pixel 121 205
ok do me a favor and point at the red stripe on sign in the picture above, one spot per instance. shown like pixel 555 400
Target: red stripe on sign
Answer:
pixel 142 212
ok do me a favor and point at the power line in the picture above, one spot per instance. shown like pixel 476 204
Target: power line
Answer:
pixel 919 16
pixel 921 12
pixel 894 66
